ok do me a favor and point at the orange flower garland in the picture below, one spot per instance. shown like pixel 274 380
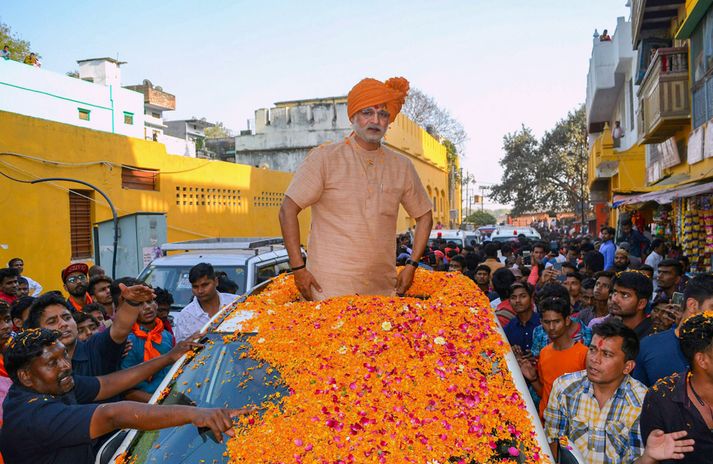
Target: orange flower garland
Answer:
pixel 379 379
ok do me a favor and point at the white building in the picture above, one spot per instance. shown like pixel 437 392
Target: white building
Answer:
pixel 611 86
pixel 95 101
pixel 156 101
pixel 187 135
pixel 285 133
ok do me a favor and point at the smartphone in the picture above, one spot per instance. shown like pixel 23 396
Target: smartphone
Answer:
pixel 557 267
pixel 677 299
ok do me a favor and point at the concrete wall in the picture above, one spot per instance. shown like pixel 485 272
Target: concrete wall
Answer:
pixel 201 198
pixel 48 95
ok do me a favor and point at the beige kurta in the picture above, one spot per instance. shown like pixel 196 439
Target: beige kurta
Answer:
pixel 355 196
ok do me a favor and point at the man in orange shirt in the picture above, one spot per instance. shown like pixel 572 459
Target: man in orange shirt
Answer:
pixel 562 356
pixel 354 188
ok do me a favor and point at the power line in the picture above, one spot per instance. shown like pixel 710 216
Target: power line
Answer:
pixel 93 200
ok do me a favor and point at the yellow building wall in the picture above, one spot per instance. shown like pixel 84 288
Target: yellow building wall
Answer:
pixel 201 198
pixel 430 160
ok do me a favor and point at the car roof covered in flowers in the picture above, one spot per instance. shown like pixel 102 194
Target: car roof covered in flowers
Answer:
pixel 428 377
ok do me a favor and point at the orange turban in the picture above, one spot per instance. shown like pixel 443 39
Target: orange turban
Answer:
pixel 370 92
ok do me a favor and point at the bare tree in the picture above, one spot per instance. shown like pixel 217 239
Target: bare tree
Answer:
pixel 424 111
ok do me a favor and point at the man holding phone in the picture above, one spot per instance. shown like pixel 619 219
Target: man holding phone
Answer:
pixel 660 354
pixel 668 280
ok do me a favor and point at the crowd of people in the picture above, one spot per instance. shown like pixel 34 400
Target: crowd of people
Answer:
pixel 73 369
pixel 614 337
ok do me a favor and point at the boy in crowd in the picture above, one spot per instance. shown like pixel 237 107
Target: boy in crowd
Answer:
pixel 19 312
pixel 100 290
pixel 86 325
pixel 164 300
pixel 18 264
pixel 600 298
pixel 629 299
pixel 502 280
pixel 8 285
pixel 520 329
pixel 573 284
pixel 149 339
pixel 23 287
pixel 562 356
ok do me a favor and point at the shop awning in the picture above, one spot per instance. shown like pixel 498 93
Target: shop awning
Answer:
pixel 663 197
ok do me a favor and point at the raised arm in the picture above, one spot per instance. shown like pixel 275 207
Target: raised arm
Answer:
pixel 130 303
pixel 424 223
pixel 290 226
pixel 117 382
pixel 128 414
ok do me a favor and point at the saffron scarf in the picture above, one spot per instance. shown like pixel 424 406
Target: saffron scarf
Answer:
pixel 150 337
pixel 77 306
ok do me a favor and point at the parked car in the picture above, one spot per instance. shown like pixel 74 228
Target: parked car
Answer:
pixel 211 378
pixel 449 235
pixel 246 261
pixel 511 233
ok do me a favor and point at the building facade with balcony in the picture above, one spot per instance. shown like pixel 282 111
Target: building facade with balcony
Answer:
pixel 616 159
pixel 674 69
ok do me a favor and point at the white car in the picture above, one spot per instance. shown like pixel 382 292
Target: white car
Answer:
pixel 449 235
pixel 246 261
pixel 511 233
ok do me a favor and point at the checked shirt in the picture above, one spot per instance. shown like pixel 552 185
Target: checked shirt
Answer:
pixel 608 435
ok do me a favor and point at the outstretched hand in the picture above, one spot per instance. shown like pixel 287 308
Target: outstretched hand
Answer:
pixel 219 421
pixel 661 446
pixel 137 293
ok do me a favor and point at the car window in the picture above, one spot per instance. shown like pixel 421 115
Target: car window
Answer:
pixel 220 376
pixel 283 267
pixel 265 272
pixel 175 280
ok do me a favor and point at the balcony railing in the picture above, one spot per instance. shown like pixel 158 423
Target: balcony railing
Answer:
pixel 664 102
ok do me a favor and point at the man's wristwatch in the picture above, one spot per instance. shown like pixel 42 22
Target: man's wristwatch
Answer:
pixel 411 262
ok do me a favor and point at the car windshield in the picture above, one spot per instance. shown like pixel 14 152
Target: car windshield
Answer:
pixel 219 376
pixel 175 280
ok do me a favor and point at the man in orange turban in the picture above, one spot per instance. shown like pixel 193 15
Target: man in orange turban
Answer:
pixel 355 188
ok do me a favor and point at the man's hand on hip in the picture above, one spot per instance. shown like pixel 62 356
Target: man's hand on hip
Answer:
pixel 405 279
pixel 305 281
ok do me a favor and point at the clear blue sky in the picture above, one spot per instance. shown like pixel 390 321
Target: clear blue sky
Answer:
pixel 493 64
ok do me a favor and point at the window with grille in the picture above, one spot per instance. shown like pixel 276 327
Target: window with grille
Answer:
pixel 139 178
pixel 128 118
pixel 80 223
pixel 83 114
